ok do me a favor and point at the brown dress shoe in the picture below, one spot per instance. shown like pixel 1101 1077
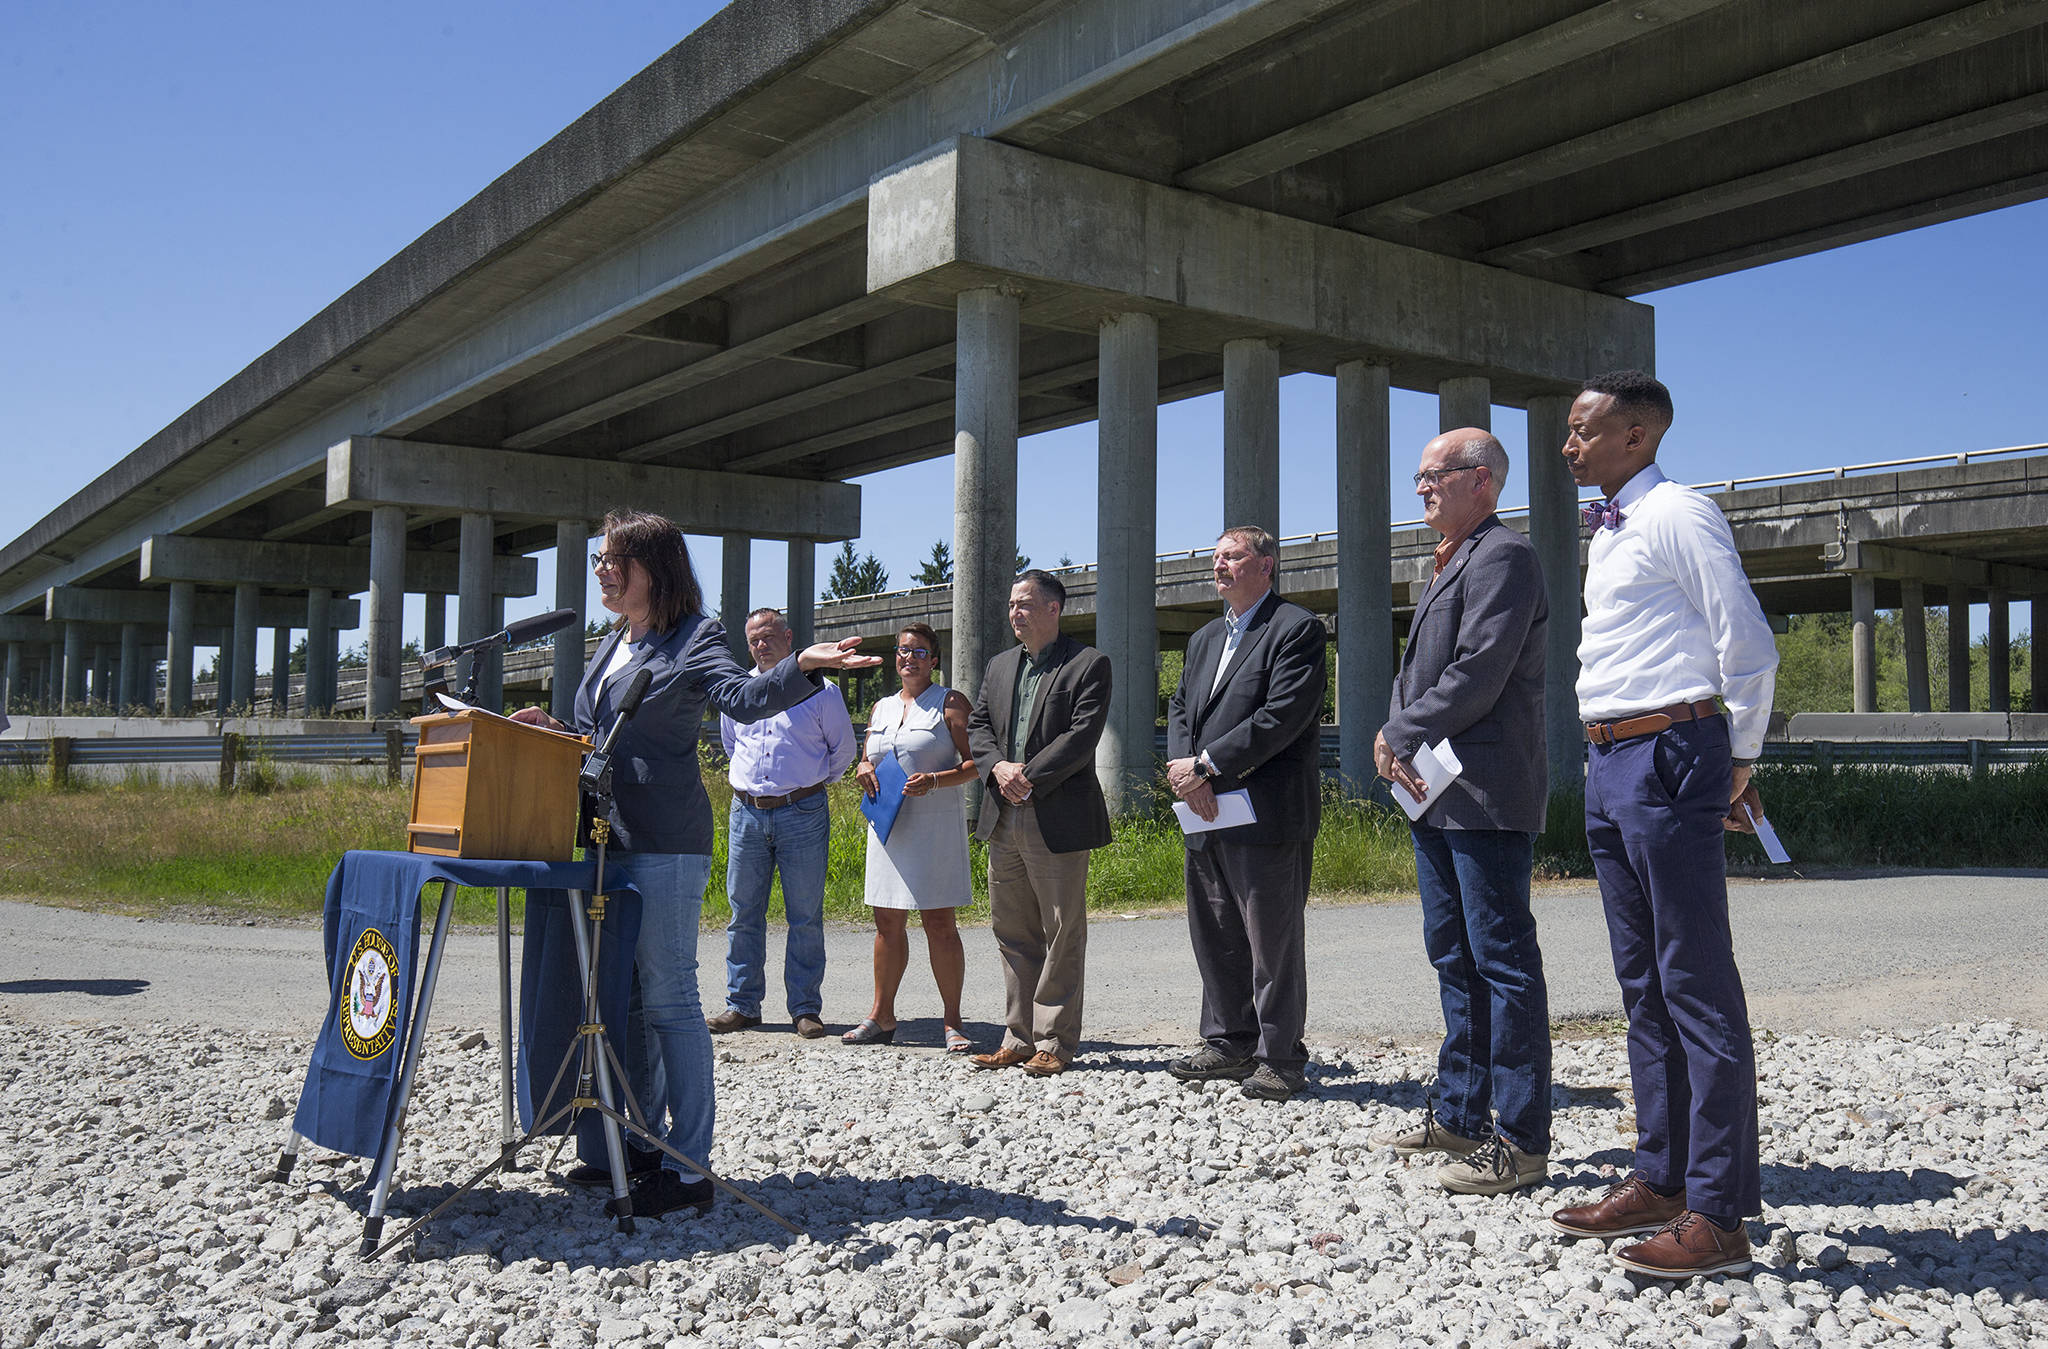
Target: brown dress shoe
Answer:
pixel 1626 1209
pixel 1687 1245
pixel 1045 1063
pixel 1009 1056
pixel 810 1027
pixel 728 1021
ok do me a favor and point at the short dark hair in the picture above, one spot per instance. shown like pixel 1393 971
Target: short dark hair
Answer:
pixel 923 632
pixel 1048 585
pixel 656 544
pixel 1637 396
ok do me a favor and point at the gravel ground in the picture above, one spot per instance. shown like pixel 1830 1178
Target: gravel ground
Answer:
pixel 1905 1176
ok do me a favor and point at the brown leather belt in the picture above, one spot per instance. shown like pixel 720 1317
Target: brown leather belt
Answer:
pixel 777 802
pixel 1649 723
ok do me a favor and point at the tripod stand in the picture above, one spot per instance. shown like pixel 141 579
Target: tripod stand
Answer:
pixel 600 1075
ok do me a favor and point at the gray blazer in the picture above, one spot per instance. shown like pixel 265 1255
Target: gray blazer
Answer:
pixel 1473 671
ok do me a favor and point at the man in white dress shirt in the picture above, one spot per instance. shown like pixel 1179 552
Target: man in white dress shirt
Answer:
pixel 779 821
pixel 1671 623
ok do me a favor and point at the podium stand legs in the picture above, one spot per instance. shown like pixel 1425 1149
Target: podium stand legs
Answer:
pixel 508 1114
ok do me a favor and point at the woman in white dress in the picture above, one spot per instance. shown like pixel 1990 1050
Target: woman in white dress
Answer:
pixel 923 866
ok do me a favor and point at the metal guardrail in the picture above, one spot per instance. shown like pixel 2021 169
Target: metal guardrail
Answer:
pixel 57 755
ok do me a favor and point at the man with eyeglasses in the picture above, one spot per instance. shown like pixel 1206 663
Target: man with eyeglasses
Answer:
pixel 1472 673
pixel 779 821
pixel 1033 732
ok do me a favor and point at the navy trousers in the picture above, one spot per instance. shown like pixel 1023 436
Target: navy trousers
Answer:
pixel 1654 806
pixel 1481 937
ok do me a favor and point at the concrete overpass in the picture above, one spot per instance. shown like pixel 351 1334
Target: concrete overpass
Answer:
pixel 822 237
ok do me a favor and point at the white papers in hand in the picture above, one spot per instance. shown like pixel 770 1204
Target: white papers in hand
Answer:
pixel 1232 810
pixel 1438 766
pixel 1767 836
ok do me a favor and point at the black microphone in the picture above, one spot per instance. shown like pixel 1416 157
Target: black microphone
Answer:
pixel 512 634
pixel 596 777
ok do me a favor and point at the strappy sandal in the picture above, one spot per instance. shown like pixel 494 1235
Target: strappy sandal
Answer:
pixel 957 1041
pixel 868 1033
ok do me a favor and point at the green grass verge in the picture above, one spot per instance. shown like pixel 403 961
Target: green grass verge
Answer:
pixel 140 845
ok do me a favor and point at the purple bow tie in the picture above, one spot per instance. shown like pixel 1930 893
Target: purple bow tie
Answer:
pixel 1602 515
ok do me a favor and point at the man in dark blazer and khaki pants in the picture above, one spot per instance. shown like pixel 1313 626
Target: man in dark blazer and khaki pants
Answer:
pixel 1472 673
pixel 1247 715
pixel 1042 708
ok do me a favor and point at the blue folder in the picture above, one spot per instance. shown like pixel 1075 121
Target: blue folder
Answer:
pixel 888 799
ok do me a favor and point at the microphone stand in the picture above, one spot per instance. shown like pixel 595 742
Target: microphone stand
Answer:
pixel 598 1065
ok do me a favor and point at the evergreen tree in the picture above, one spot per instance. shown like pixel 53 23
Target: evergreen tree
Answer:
pixel 938 568
pixel 854 575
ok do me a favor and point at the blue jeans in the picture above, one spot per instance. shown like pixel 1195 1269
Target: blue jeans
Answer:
pixel 1481 937
pixel 675 1069
pixel 797 840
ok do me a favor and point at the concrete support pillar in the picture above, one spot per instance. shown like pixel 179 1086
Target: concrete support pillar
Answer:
pixel 384 627
pixel 178 649
pixel 473 611
pixel 1251 434
pixel 1126 532
pixel 801 608
pixel 1466 400
pixel 321 675
pixel 984 486
pixel 1998 674
pixel 128 686
pixel 96 675
pixel 74 666
pixel 1913 631
pixel 16 660
pixel 281 670
pixel 735 594
pixel 1863 640
pixel 1554 532
pixel 1365 575
pixel 434 630
pixel 1958 639
pixel 243 653
pixel 2037 659
pixel 572 572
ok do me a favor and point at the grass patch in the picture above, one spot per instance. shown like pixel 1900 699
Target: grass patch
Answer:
pixel 141 845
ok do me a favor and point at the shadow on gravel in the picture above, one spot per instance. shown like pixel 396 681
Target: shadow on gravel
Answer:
pixel 96 988
pixel 1784 1184
pixel 1924 1258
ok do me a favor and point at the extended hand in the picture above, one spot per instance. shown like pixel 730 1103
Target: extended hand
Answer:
pixel 840 655
pixel 1011 782
pixel 1742 799
pixel 1393 770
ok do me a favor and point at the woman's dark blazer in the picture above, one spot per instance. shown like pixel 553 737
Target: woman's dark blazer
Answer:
pixel 658 794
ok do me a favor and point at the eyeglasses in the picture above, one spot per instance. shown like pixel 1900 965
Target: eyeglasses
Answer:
pixel 1434 477
pixel 609 561
pixel 915 652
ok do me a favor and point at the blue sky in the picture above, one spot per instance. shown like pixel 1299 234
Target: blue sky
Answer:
pixel 185 184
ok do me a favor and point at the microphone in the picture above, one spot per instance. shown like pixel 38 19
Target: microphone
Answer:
pixel 512 634
pixel 596 777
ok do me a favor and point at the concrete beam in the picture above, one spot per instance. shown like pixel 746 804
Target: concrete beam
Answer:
pixel 1884 559
pixel 1970 27
pixel 974 212
pixel 65 604
pixel 1600 28
pixel 314 566
pixel 366 471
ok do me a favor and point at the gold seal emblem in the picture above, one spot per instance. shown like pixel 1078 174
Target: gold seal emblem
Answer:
pixel 369 1002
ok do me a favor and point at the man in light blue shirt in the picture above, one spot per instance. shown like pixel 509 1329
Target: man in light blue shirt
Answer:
pixel 780 821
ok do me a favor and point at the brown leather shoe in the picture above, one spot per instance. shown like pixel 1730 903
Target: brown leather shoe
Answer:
pixel 1045 1063
pixel 810 1026
pixel 1625 1209
pixel 728 1021
pixel 1687 1245
pixel 1009 1056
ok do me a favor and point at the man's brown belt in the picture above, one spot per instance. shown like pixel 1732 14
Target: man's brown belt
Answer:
pixel 1649 723
pixel 777 802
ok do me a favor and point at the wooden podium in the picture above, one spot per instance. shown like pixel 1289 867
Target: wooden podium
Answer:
pixel 486 786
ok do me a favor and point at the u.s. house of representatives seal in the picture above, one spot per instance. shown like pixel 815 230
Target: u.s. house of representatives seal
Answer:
pixel 369 1004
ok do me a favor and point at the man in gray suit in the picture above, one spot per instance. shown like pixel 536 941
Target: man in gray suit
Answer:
pixel 1246 716
pixel 1473 673
pixel 1042 707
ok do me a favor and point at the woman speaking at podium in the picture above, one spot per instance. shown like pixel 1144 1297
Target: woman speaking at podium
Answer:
pixel 661 819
